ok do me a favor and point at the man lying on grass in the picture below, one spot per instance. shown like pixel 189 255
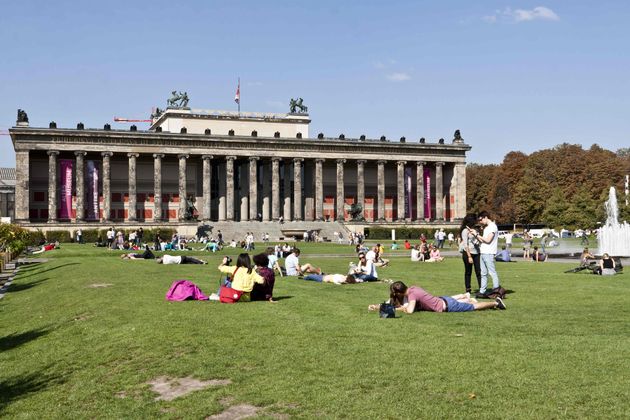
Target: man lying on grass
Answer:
pixel 179 259
pixel 421 300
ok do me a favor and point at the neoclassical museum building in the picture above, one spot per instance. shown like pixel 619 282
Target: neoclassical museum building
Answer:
pixel 232 167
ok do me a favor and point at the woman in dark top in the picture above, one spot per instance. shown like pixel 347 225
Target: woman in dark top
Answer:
pixel 469 247
pixel 607 265
pixel 264 291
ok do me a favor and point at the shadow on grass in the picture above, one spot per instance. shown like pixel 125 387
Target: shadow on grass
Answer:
pixel 12 341
pixel 282 297
pixel 18 287
pixel 31 272
pixel 17 387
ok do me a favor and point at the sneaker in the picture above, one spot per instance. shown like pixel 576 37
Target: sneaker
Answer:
pixel 213 296
pixel 500 303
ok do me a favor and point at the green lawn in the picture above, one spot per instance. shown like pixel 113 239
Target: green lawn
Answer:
pixel 68 350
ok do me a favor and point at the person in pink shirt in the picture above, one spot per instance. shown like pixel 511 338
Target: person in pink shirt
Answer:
pixel 434 254
pixel 419 299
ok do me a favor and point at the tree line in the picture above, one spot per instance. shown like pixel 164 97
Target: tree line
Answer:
pixel 565 186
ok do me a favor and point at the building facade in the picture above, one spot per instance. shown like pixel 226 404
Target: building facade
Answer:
pixel 7 192
pixel 233 167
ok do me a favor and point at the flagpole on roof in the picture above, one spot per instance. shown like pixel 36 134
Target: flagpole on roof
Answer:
pixel 237 97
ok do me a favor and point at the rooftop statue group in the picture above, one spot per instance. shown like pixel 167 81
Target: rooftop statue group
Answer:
pixel 296 106
pixel 22 117
pixel 178 100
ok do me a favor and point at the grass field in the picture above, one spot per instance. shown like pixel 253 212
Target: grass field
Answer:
pixel 71 350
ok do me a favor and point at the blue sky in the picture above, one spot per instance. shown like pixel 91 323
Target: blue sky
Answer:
pixel 511 75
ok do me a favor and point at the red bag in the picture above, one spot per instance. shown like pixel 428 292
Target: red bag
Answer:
pixel 229 295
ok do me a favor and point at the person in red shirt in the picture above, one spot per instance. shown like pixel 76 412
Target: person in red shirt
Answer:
pixel 407 244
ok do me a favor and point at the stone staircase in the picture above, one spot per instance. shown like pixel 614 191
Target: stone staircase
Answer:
pixel 277 232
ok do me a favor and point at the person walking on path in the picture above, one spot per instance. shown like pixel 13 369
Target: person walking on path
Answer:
pixel 488 249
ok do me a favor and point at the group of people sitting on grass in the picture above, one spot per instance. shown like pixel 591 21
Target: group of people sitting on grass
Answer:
pixel 424 252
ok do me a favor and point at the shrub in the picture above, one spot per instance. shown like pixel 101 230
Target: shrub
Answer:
pixel 36 237
pixel 13 238
pixel 91 235
pixel 63 236
pixel 401 233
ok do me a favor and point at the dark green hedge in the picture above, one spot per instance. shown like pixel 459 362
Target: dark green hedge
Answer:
pixel 402 233
pixel 63 236
pixel 35 238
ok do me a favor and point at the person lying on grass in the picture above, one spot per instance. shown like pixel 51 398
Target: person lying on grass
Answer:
pixel 333 278
pixel 47 247
pixel 421 300
pixel 146 255
pixel 243 275
pixel 180 259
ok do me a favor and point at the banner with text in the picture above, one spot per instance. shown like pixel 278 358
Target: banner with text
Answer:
pixel 427 193
pixel 92 196
pixel 65 190
pixel 408 196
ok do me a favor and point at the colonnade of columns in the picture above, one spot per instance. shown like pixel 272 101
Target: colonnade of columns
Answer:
pixel 271 205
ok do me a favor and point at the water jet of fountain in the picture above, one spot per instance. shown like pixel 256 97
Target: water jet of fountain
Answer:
pixel 614 237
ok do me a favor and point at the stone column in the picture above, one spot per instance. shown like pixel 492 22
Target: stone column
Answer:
pixel 381 189
pixel 400 196
pixel 80 181
pixel 182 186
pixel 340 190
pixel 266 191
pixel 243 178
pixel 275 188
pixel 319 189
pixel 297 188
pixel 131 204
pixel 460 192
pixel 253 188
pixel 439 193
pixel 207 182
pixel 157 186
pixel 22 182
pixel 419 191
pixel 229 186
pixel 361 185
pixel 107 191
pixel 52 186
pixel 287 192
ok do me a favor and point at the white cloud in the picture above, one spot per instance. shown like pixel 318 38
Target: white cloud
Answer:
pixel 522 15
pixel 398 77
pixel 379 65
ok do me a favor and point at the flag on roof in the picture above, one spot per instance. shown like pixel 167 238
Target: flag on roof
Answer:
pixel 237 97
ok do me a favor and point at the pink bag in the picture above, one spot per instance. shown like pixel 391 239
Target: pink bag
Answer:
pixel 184 290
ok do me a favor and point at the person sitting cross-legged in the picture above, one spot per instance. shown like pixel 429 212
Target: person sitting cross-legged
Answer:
pixel 365 270
pixel 293 267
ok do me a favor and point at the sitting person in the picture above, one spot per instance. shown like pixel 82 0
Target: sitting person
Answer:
pixel 416 255
pixel 538 256
pixel 585 257
pixel 273 261
pixel 179 259
pixel 424 250
pixel 210 246
pixel 332 278
pixel 232 244
pixel 146 255
pixel 503 255
pixel 293 267
pixel 407 244
pixel 434 254
pixel 420 300
pixel 243 276
pixel 394 246
pixel 263 291
pixel 607 265
pixel 365 270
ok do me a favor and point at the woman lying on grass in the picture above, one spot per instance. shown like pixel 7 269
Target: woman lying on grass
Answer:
pixel 333 278
pixel 421 300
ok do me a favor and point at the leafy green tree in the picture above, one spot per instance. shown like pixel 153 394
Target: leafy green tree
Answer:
pixel 582 211
pixel 555 211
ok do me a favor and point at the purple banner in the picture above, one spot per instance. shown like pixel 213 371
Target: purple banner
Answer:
pixel 65 190
pixel 408 196
pixel 427 193
pixel 92 192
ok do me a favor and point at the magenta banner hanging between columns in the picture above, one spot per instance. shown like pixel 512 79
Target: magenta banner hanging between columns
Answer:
pixel 427 193
pixel 65 210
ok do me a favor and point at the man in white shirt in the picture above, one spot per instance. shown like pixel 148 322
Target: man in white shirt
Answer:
pixel 293 267
pixel 508 242
pixel 488 249
pixel 179 259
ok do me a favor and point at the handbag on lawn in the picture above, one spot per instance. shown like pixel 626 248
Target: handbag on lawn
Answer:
pixel 387 310
pixel 228 294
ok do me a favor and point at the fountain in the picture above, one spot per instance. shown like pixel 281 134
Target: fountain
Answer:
pixel 614 237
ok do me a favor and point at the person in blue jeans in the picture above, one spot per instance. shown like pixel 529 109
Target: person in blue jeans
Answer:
pixel 365 270
pixel 488 249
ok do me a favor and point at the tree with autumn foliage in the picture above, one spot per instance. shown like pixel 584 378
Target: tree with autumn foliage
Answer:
pixel 560 187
